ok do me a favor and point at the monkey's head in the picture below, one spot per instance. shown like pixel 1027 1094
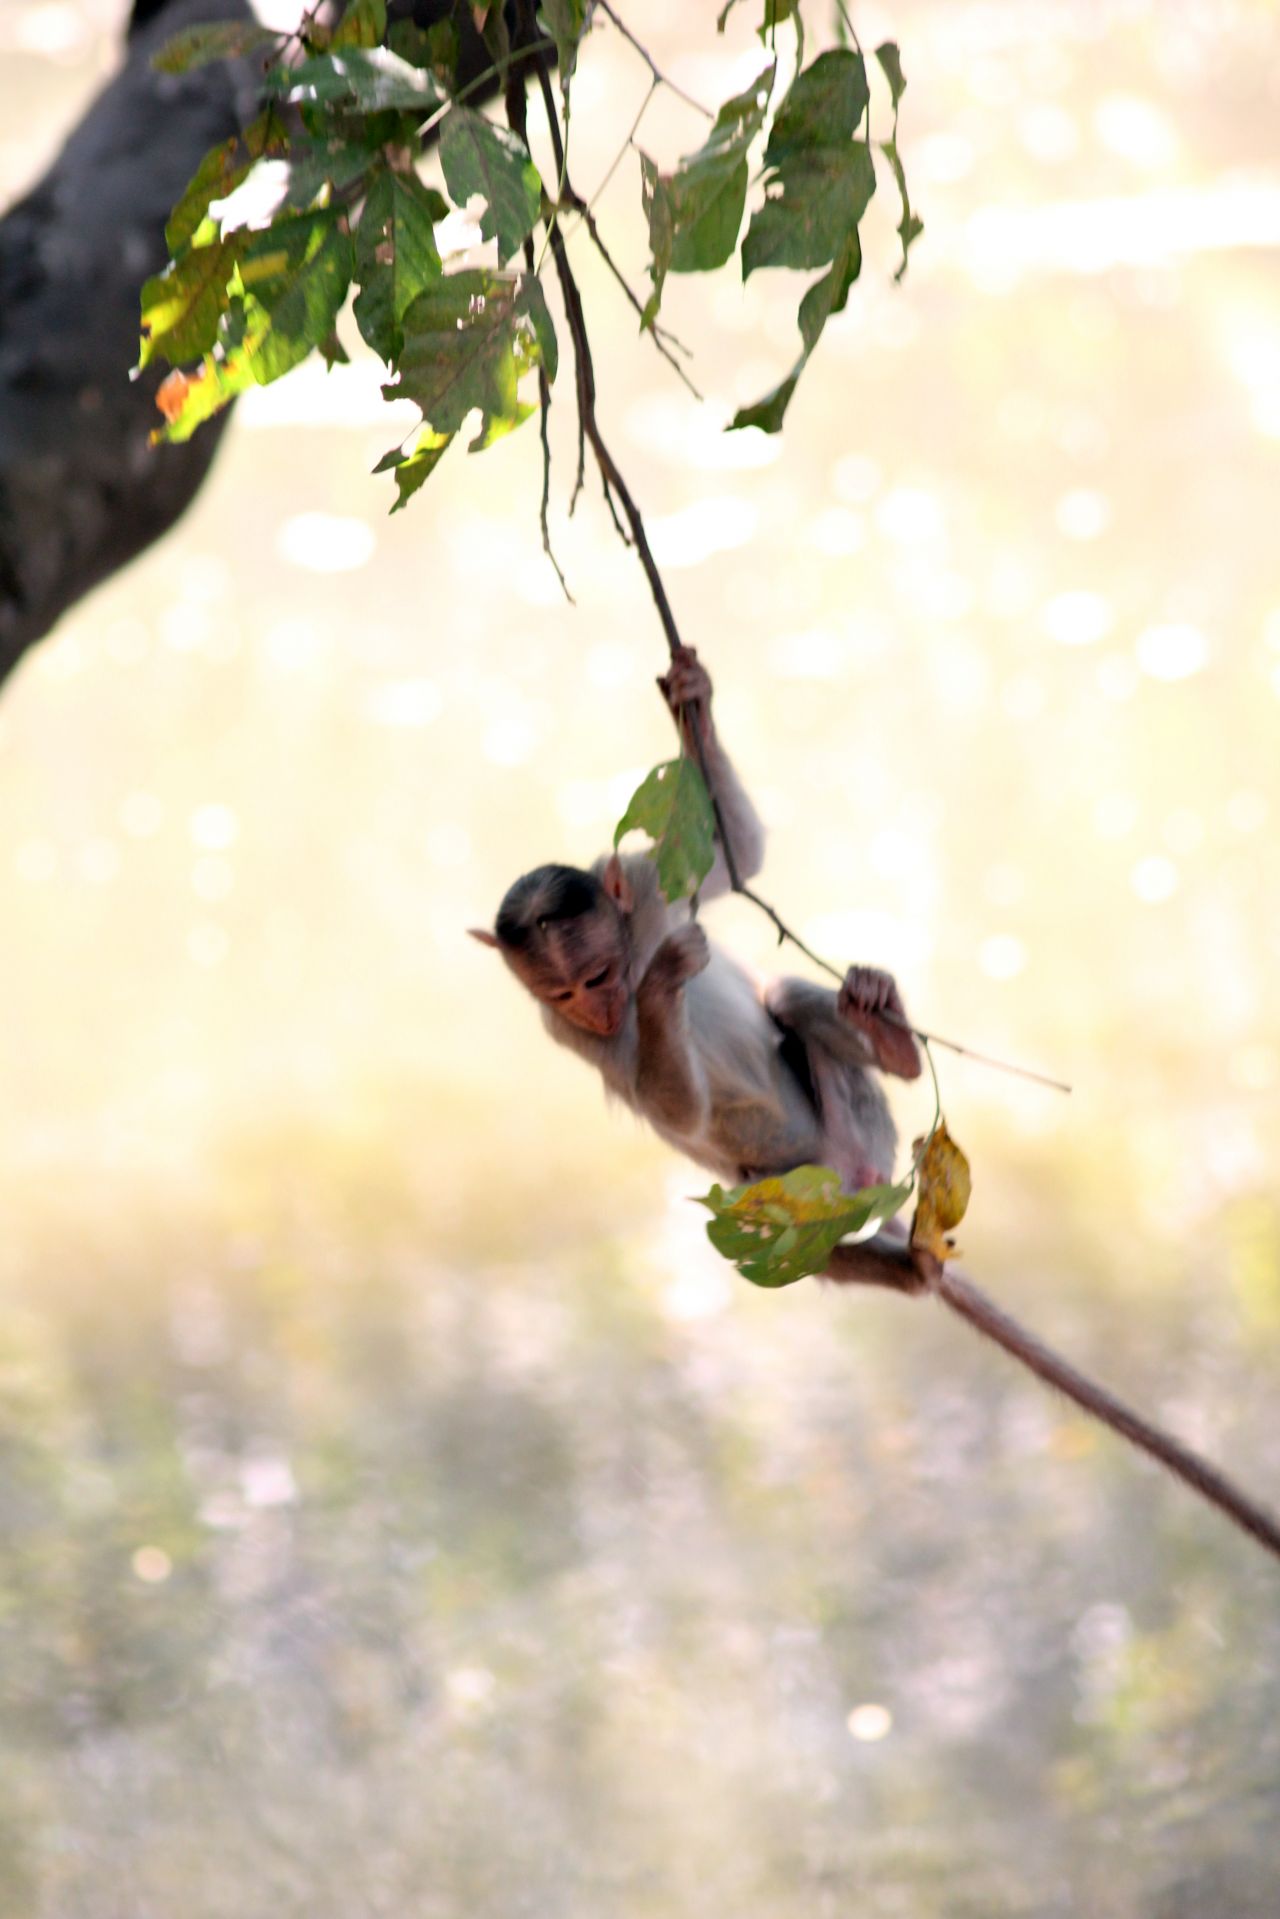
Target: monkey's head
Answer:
pixel 565 935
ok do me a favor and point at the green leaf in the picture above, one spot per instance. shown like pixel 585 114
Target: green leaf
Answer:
pixel 783 1229
pixel 287 283
pixel 694 213
pixel 829 294
pixel 673 807
pixel 373 79
pixel 413 470
pixel 222 170
pixel 295 276
pixel 767 413
pixel 364 24
pixel 396 256
pixel 821 180
pixel 534 308
pixel 659 211
pixel 565 20
pixel 910 226
pixel 219 173
pixel 819 185
pixel 825 297
pixel 321 167
pixel 187 400
pixel 182 306
pixel 775 12
pixel 332 351
pixel 821 108
pixel 468 339
pixel 436 47
pixel 479 157
pixel 891 66
pixel 220 40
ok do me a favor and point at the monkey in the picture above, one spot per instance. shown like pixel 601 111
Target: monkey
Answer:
pixel 751 1081
pixel 744 1081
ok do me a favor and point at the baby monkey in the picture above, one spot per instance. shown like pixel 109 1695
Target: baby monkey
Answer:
pixel 746 1081
pixel 751 1082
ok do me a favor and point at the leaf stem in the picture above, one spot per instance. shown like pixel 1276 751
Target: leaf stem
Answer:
pixel 654 69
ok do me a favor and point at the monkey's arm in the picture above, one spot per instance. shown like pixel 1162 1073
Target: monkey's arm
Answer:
pixel 670 1087
pixel 687 690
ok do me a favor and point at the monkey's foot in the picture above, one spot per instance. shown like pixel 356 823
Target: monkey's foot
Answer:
pixel 869 999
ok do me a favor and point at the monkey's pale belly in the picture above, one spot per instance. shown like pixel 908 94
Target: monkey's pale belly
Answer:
pixel 758 1119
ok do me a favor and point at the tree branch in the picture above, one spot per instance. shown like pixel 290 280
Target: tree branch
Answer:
pixel 886 1262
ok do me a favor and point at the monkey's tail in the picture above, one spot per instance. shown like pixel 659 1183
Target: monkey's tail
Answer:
pixel 966 1299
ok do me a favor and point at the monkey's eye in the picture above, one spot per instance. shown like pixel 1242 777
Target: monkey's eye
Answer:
pixel 597 979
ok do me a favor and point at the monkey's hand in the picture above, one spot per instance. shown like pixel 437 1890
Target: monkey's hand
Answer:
pixel 687 690
pixel 680 958
pixel 865 998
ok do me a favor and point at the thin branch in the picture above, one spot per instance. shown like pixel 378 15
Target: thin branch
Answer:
pixel 887 1261
pixel 654 69
pixel 544 413
pixel 517 105
pixel 615 487
pixel 570 198
pixel 956 1290
pixel 609 501
pixel 626 146
pixel 659 334
pixel 527 53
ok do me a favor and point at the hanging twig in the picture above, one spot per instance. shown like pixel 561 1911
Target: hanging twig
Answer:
pixel 517 105
pixel 654 69
pixel 616 487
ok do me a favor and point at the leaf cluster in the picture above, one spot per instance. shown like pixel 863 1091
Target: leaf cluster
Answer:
pixel 321 197
pixel 783 1229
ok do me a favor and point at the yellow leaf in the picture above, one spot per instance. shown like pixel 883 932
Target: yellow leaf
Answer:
pixel 943 1194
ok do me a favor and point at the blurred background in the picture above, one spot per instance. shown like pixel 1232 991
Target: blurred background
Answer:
pixel 402 1509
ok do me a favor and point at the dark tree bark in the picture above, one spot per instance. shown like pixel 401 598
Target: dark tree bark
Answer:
pixel 81 489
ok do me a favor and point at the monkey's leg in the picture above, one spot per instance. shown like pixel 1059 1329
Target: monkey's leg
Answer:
pixel 858 1134
pixel 810 1011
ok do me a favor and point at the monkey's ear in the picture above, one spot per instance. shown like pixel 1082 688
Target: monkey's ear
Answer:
pixel 617 885
pixel 485 937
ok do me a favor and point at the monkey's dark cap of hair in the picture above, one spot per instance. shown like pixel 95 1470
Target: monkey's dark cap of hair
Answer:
pixel 548 893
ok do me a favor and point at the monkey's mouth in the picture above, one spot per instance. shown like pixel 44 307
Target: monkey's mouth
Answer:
pixel 609 1020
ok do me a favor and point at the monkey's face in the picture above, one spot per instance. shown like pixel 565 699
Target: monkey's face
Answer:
pixel 581 971
pixel 596 1005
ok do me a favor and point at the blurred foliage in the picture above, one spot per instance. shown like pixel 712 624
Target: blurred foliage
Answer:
pixel 377 1536
pixel 332 193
